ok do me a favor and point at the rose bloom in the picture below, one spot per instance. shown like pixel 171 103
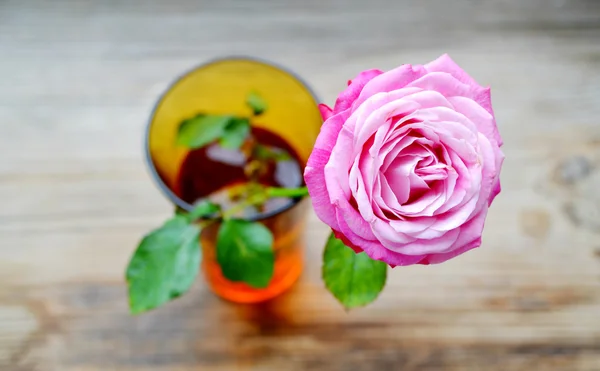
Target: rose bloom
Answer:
pixel 407 163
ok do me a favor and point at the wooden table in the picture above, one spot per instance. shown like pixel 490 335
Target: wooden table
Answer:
pixel 78 80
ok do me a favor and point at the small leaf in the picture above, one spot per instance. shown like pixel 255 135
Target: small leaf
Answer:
pixel 235 133
pixel 354 279
pixel 257 104
pixel 263 152
pixel 202 130
pixel 203 209
pixel 164 266
pixel 245 252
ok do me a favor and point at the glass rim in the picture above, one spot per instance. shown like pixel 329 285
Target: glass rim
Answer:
pixel 164 188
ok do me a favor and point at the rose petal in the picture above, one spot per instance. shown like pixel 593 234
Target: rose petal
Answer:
pixel 440 258
pixel 464 189
pixel 445 64
pixel 340 236
pixel 375 111
pixel 429 99
pixel 371 246
pixel 365 125
pixel 399 144
pixel 397 242
pixel 395 79
pixel 470 238
pixel 353 90
pixel 412 226
pixel 449 86
pixel 314 173
pixel 497 188
pixel 449 121
pixel 475 113
pixel 337 168
pixel 351 222
pixel 326 112
pixel 386 199
pixel 481 183
pixel 426 204
pixel 489 172
pixel 395 259
pixel 330 130
pixel 319 194
pixel 361 194
pixel 402 178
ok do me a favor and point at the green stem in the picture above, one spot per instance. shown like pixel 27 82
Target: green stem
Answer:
pixel 262 197
pixel 255 199
pixel 287 192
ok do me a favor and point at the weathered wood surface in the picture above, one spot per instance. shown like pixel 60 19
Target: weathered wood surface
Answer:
pixel 77 82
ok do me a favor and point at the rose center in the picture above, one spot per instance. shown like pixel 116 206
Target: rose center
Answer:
pixel 417 171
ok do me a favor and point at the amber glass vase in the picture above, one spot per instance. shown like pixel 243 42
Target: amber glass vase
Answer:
pixel 221 87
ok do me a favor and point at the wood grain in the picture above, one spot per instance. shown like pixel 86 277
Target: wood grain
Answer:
pixel 78 80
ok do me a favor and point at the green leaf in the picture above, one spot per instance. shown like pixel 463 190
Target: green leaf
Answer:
pixel 354 279
pixel 203 209
pixel 180 211
pixel 245 252
pixel 202 130
pixel 235 133
pixel 164 265
pixel 257 104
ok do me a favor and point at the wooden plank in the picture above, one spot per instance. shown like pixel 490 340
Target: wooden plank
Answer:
pixel 78 80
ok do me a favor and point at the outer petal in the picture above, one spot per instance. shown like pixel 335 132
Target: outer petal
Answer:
pixel 374 113
pixel 445 64
pixel 470 238
pixel 355 86
pixel 371 246
pixel 397 259
pixel 391 80
pixel 447 85
pixel 337 168
pixel 346 241
pixel 489 174
pixel 319 196
pixel 440 258
pixel 326 112
pixel 314 175
pixel 387 257
pixel 497 188
pixel 352 224
pixel 479 116
pixel 485 100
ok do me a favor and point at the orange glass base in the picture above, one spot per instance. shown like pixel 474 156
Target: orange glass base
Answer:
pixel 287 228
pixel 287 271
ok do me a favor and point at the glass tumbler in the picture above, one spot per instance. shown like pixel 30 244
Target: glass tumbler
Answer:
pixel 220 87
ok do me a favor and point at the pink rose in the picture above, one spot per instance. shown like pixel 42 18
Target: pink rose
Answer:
pixel 407 163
